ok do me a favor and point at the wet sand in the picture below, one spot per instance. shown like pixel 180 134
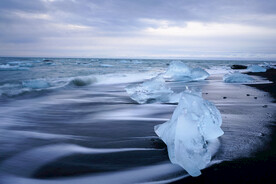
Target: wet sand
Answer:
pixel 270 88
pixel 259 167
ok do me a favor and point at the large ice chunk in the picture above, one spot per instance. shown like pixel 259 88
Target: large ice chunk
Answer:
pixel 237 77
pixel 153 90
pixel 256 68
pixel 193 123
pixel 179 71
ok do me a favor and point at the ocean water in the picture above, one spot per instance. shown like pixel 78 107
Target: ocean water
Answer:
pixel 68 120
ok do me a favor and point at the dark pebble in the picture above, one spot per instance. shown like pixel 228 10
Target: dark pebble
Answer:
pixel 255 97
pixel 224 97
pixel 238 67
pixel 247 94
pixel 264 106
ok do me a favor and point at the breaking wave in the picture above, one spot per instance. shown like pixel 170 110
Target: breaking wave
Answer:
pixel 83 81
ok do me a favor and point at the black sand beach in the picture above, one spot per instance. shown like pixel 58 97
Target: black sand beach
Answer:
pixel 98 134
pixel 258 168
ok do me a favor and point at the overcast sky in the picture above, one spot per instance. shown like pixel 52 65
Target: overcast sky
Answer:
pixel 139 28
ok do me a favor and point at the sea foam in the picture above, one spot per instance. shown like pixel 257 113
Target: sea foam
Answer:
pixel 8 67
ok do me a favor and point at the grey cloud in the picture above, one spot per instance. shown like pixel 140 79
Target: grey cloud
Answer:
pixel 26 5
pixel 126 12
pixel 123 18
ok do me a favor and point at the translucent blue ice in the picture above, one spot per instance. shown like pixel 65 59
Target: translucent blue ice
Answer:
pixel 237 77
pixel 153 90
pixel 256 68
pixel 193 123
pixel 179 71
pixel 36 84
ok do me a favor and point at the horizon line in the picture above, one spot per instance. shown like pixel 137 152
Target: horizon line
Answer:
pixel 149 58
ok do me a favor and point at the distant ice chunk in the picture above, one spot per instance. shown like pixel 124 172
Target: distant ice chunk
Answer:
pixel 153 90
pixel 106 65
pixel 124 61
pixel 237 77
pixel 36 84
pixel 137 62
pixel 82 81
pixel 194 122
pixel 256 68
pixel 179 71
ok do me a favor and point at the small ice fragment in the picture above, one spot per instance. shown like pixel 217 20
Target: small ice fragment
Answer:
pixel 256 68
pixel 36 84
pixel 179 71
pixel 153 90
pixel 237 77
pixel 194 122
pixel 106 65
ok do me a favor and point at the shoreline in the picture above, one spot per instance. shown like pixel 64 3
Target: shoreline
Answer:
pixel 259 168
